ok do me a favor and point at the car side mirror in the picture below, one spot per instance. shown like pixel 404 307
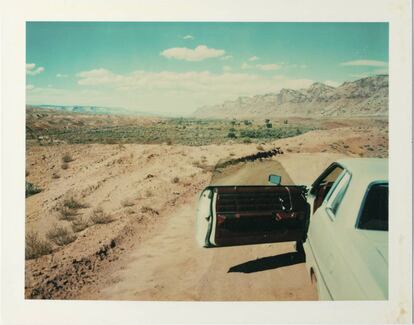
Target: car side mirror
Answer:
pixel 275 179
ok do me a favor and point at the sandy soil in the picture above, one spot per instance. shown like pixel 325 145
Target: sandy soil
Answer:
pixel 149 252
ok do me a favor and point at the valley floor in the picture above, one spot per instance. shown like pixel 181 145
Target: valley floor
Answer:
pixel 148 250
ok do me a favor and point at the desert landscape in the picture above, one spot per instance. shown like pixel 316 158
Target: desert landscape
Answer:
pixel 111 199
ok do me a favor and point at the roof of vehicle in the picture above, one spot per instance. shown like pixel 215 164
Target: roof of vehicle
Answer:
pixel 366 169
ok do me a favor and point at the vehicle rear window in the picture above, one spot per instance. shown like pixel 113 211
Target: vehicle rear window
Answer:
pixel 374 213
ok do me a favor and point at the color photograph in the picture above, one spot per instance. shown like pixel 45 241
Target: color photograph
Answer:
pixel 207 161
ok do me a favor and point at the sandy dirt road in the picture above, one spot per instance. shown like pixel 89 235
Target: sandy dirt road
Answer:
pixel 171 266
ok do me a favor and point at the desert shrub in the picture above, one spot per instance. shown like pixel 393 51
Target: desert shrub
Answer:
pixel 231 135
pixel 79 224
pixel 269 125
pixel 72 203
pixel 149 210
pixel 67 158
pixel 66 213
pixel 175 180
pixel 65 166
pixel 32 189
pixel 247 140
pixel 60 235
pixel 100 217
pixel 285 122
pixel 35 246
pixel 127 203
pixel 55 175
pixel 68 208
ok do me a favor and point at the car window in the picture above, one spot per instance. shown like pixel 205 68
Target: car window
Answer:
pixel 335 198
pixel 333 175
pixel 323 185
pixel 374 209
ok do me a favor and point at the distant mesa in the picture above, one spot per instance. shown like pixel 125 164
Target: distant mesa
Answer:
pixel 363 97
pixel 98 110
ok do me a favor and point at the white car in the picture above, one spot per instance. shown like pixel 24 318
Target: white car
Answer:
pixel 340 222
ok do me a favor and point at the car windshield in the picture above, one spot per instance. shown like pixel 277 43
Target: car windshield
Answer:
pixel 374 214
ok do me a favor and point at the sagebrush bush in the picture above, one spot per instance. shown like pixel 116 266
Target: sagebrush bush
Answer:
pixel 72 203
pixel 79 224
pixel 60 235
pixel 67 158
pixel 35 246
pixel 100 217
pixel 146 209
pixel 32 189
pixel 66 213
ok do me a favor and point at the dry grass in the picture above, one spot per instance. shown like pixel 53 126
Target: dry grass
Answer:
pixel 149 210
pixel 35 246
pixel 68 209
pixel 73 203
pixel 67 158
pixel 66 213
pixel 60 235
pixel 127 203
pixel 79 224
pixel 100 217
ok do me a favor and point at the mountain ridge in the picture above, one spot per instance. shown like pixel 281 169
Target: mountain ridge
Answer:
pixel 363 97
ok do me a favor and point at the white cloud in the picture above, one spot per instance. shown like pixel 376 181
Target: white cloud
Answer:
pixel 29 87
pixel 200 53
pixel 226 57
pixel 188 37
pixel 169 91
pixel 253 58
pixel 268 67
pixel 245 66
pixel 61 75
pixel 31 69
pixel 331 83
pixel 367 63
pixel 226 68
pixel 262 67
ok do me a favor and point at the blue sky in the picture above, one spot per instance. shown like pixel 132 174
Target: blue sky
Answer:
pixel 174 68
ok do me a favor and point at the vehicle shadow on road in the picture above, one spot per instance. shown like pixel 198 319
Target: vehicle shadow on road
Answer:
pixel 269 263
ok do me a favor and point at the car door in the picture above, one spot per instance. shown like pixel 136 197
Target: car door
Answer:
pixel 243 215
pixel 324 232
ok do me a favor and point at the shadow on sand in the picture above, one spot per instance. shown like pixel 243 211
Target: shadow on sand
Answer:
pixel 269 263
